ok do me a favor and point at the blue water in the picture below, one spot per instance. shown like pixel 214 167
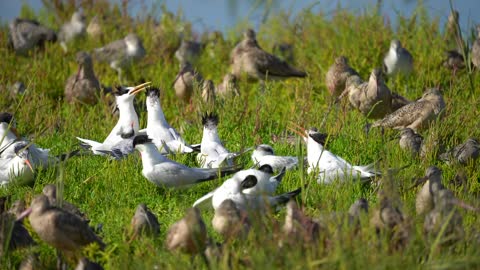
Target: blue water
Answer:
pixel 223 15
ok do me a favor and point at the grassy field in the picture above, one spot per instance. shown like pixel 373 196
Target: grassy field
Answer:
pixel 109 191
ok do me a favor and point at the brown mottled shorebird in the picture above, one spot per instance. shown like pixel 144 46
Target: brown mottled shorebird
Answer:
pixel 25 34
pixel 17 208
pixel 50 191
pixel 208 92
pixel 453 60
pixel 228 86
pixel 187 78
pixel 373 98
pixel 397 60
pixel 121 53
pixel 94 28
pixel 248 57
pixel 463 153
pixel 189 51
pixel 410 141
pixel 445 219
pixel 64 231
pixel 432 184
pixel 83 86
pixel 299 227
pixel 476 50
pixel 358 208
pixel 13 230
pixel 337 76
pixel 416 115
pixel 189 234
pixel 73 29
pixel 229 221
pixel 398 101
pixel 144 222
pixel 86 264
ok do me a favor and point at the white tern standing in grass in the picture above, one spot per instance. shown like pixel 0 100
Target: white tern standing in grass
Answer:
pixel 128 119
pixel 398 60
pixel 73 29
pixel 162 171
pixel 329 165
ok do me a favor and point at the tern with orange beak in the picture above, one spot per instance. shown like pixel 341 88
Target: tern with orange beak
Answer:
pixel 16 166
pixel 124 97
pixel 328 165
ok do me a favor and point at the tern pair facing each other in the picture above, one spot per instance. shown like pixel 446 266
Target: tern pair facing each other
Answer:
pixel 164 172
pixel 119 142
pixel 328 165
pixel 250 189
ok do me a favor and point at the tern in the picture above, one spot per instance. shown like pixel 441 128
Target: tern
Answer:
pixel 416 115
pixel 337 76
pixel 164 136
pixel 25 34
pixel 398 60
pixel 17 166
pixel 121 53
pixel 329 165
pixel 128 119
pixel 83 86
pixel 264 155
pixel 164 172
pixel 248 57
pixel 73 29
pixel 212 152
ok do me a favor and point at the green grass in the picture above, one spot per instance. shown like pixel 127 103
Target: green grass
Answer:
pixel 110 191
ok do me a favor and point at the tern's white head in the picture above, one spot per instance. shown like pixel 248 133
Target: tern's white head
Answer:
pixel 210 123
pixel 395 45
pixel 124 96
pixel 22 153
pixel 262 150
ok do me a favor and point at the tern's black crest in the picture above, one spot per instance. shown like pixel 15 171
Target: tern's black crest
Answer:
pixel 20 146
pixel 153 92
pixel 128 134
pixel 249 181
pixel 266 169
pixel 6 117
pixel 266 148
pixel 317 136
pixel 210 120
pixel 141 139
pixel 119 90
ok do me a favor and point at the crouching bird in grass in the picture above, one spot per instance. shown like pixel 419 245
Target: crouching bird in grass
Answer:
pixel 162 171
pixel 26 34
pixel 328 165
pixel 13 234
pixel 337 76
pixel 416 115
pixel 144 222
pixel 186 81
pixel 300 228
pixel 50 191
pixel 230 222
pixel 410 141
pixel 188 235
pixel 64 231
pixel 249 58
pixel 463 153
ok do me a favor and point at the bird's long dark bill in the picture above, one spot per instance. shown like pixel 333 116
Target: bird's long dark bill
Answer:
pixel 419 182
pixel 24 214
pixel 139 88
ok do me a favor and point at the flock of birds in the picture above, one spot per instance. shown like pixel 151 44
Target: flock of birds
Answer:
pixel 247 192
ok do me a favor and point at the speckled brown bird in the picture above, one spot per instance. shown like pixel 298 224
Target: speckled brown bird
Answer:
pixel 410 141
pixel 12 229
pixel 189 234
pixel 229 221
pixel 476 50
pixel 83 86
pixel 228 87
pixel 298 227
pixel 144 222
pixel 187 78
pixel 432 183
pixel 358 208
pixel 416 115
pixel 26 34
pixel 373 98
pixel 453 60
pixel 250 59
pixel 337 76
pixel 50 191
pixel 463 153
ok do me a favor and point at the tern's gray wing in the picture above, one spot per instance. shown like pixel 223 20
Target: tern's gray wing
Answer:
pixel 121 149
pixel 113 51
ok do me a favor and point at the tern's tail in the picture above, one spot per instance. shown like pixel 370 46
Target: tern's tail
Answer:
pixel 215 173
pixel 284 198
pixel 367 171
pixel 65 156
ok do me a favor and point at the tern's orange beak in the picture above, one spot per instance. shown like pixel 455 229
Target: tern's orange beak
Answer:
pixel 29 164
pixel 139 88
pixel 300 131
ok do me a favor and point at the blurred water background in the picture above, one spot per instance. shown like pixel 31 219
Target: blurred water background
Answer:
pixel 224 14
